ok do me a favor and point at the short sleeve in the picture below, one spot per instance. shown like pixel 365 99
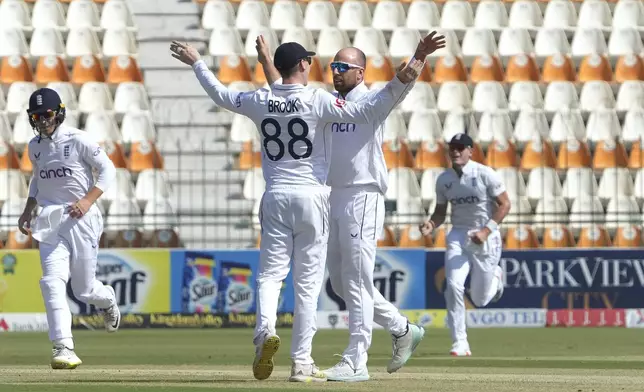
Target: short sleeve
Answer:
pixel 495 184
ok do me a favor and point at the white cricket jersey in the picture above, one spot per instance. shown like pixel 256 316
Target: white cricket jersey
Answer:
pixel 472 196
pixel 62 167
pixel 292 120
pixel 357 159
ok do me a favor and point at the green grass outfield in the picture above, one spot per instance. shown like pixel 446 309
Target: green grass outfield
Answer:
pixel 512 360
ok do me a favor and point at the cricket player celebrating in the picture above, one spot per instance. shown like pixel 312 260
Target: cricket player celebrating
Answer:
pixel 69 226
pixel 479 204
pixel 291 119
pixel 358 177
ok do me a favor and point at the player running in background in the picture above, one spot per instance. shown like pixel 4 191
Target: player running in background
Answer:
pixel 291 119
pixel 479 204
pixel 70 225
pixel 358 177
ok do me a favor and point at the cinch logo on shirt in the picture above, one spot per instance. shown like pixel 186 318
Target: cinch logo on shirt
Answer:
pixel 56 173
pixel 464 200
pixel 283 107
pixel 343 127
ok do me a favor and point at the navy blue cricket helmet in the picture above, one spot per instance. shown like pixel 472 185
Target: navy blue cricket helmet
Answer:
pixel 45 110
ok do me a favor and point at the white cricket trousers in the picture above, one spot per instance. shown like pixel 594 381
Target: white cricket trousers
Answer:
pixel 71 250
pixel 295 228
pixel 461 257
pixel 357 218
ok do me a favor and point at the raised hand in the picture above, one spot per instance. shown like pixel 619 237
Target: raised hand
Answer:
pixel 263 51
pixel 428 45
pixel 410 72
pixel 184 52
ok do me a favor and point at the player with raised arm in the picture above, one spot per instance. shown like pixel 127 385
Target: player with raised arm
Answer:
pixel 358 180
pixel 291 119
pixel 479 204
pixel 69 225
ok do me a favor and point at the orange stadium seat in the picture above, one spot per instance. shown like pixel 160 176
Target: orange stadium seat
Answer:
pixel 449 69
pixel 501 153
pixel 387 237
pixel 8 156
pixel 538 154
pixel 522 68
pixel 250 156
pixel 595 67
pixel 411 237
pixel 609 153
pixel 115 152
pixel 558 68
pixel 521 237
pixel 628 237
pixel 630 67
pixel 431 154
pixel 51 69
pixel 440 237
pixel 144 155
pixel 316 74
pixel 87 68
pixel 17 240
pixel 258 242
pixel 557 237
pixel 258 75
pixel 233 68
pixel 124 69
pixel 15 69
pixel 378 69
pixel 486 68
pixel 131 238
pixel 636 158
pixel 397 154
pixel 593 237
pixel 25 162
pixel 573 153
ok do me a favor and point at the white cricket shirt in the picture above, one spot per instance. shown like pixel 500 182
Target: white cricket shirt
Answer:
pixel 357 159
pixel 472 196
pixel 62 167
pixel 292 120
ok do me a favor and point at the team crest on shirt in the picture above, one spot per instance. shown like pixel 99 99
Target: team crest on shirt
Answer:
pixel 66 150
pixel 340 103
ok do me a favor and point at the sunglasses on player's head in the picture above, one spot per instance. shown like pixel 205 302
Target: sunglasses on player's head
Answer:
pixel 42 116
pixel 343 67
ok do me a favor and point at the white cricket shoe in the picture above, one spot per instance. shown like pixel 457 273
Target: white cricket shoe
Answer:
pixel 499 292
pixel 306 373
pixel 112 315
pixel 64 358
pixel 460 349
pixel 344 371
pixel 404 346
pixel 264 352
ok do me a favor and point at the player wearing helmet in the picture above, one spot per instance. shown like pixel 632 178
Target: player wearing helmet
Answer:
pixel 69 226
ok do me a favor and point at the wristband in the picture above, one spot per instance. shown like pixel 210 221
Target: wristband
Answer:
pixel 492 225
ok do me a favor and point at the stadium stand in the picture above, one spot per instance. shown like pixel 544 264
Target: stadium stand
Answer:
pixel 551 91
